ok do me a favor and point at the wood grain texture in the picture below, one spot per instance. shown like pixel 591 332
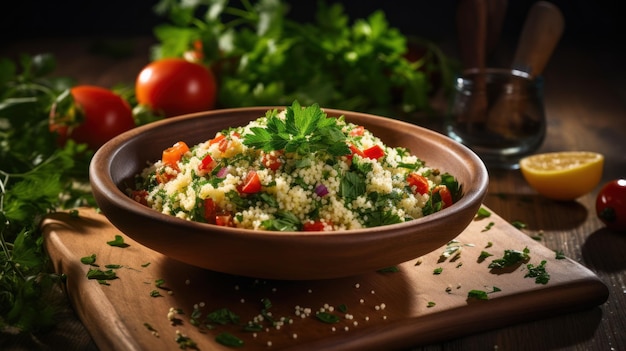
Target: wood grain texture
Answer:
pixel 389 310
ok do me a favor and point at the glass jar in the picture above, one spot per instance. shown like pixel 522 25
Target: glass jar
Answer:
pixel 499 114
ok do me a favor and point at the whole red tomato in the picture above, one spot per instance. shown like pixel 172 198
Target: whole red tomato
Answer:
pixel 611 204
pixel 100 115
pixel 175 87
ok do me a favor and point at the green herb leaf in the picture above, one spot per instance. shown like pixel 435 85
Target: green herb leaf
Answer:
pixel 327 317
pixel 117 242
pixel 305 130
pixel 101 275
pixel 538 272
pixel 228 339
pixel 510 258
pixel 483 213
pixel 89 260
pixel 223 316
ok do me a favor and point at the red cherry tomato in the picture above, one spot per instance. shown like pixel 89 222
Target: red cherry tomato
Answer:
pixel 611 204
pixel 176 86
pixel 102 115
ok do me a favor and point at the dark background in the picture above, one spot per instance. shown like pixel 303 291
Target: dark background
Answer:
pixel 590 21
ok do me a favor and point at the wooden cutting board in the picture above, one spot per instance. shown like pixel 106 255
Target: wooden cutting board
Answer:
pixel 381 310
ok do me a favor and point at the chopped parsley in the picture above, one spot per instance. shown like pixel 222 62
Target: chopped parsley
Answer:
pixel 327 317
pixel 510 258
pixel 89 260
pixel 392 269
pixel 519 224
pixel 223 316
pixel 228 339
pixel 483 255
pixel 538 272
pixel 482 213
pixel 481 294
pixel 101 275
pixel 117 242
pixel 488 226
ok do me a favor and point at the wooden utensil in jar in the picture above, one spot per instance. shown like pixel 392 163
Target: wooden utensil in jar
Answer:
pixel 541 32
pixel 471 19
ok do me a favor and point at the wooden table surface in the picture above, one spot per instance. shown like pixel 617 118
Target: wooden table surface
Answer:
pixel 586 107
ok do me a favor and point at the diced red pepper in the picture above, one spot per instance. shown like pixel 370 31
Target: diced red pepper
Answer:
pixel 252 183
pixel 444 193
pixel 375 152
pixel 418 182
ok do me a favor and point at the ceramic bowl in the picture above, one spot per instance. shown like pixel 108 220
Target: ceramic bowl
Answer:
pixel 281 255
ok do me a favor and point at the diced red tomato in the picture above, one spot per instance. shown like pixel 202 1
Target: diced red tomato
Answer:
pixel 272 160
pixel 141 196
pixel 252 183
pixel 163 177
pixel 173 154
pixel 357 131
pixel 314 226
pixel 223 145
pixel 214 215
pixel 207 164
pixel 446 196
pixel 210 210
pixel 224 219
pixel 418 182
pixel 375 152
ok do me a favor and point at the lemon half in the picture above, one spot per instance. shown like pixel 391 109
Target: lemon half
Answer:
pixel 564 175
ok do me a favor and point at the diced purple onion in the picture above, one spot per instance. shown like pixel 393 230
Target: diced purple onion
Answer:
pixel 321 190
pixel 222 172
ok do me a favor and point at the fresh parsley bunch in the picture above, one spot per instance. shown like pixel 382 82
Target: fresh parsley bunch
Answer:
pixel 36 177
pixel 262 57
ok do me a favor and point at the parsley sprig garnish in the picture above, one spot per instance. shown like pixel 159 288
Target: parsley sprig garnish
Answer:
pixel 304 130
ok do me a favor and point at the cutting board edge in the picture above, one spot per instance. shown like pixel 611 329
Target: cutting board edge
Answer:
pixel 436 327
pixel 53 244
